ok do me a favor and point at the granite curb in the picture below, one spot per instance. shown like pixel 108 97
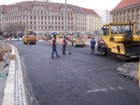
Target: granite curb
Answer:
pixel 14 92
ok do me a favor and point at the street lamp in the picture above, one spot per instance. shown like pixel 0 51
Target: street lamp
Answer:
pixel 65 19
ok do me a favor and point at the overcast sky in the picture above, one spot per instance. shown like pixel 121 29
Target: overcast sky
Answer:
pixel 91 4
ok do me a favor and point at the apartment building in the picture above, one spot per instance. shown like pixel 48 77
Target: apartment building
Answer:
pixel 127 10
pixel 1 17
pixel 43 17
pixel 93 21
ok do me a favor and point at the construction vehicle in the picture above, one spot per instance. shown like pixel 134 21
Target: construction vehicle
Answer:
pixel 77 39
pixel 29 37
pixel 119 40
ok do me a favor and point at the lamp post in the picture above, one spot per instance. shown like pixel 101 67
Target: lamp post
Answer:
pixel 65 19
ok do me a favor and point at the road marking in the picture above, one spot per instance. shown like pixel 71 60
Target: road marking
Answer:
pixel 105 89
pixel 88 70
pixel 111 88
pixel 89 91
pixel 61 71
pixel 120 88
pixel 74 70
pixel 96 90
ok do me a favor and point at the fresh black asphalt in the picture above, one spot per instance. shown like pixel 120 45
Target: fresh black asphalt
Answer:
pixel 77 79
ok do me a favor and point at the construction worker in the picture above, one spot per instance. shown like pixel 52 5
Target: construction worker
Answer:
pixel 92 46
pixel 53 43
pixel 64 42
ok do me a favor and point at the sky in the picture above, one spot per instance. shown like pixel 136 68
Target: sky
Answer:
pixel 90 4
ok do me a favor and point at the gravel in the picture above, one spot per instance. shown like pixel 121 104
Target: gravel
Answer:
pixel 129 70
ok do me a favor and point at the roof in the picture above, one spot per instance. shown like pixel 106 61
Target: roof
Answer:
pixel 90 11
pixel 126 3
pixel 1 8
pixel 28 5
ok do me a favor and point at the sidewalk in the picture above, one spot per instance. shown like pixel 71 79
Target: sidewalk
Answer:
pixel 12 89
pixel 3 75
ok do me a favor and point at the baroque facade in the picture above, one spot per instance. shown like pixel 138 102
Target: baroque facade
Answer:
pixel 46 17
pixel 127 10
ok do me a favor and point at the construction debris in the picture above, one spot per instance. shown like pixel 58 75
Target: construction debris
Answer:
pixel 129 70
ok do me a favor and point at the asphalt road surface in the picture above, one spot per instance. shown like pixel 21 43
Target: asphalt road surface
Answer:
pixel 77 79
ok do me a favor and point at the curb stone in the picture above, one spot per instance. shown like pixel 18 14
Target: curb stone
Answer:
pixel 14 93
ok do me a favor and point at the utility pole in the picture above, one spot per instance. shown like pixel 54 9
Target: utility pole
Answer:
pixel 65 19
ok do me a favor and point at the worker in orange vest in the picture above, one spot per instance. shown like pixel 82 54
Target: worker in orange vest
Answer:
pixel 64 43
pixel 54 50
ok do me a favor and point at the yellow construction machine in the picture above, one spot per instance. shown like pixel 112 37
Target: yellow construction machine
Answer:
pixel 77 39
pixel 29 37
pixel 120 40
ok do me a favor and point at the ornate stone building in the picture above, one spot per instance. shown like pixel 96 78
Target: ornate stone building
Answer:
pixel 45 17
pixel 127 10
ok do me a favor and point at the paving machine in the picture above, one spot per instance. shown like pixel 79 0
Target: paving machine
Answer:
pixel 77 39
pixel 120 39
pixel 29 37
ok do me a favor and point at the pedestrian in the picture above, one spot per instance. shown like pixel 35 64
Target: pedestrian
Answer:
pixel 92 46
pixel 64 43
pixel 54 50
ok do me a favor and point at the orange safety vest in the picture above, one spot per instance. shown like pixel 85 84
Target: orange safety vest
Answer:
pixel 53 42
pixel 63 41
